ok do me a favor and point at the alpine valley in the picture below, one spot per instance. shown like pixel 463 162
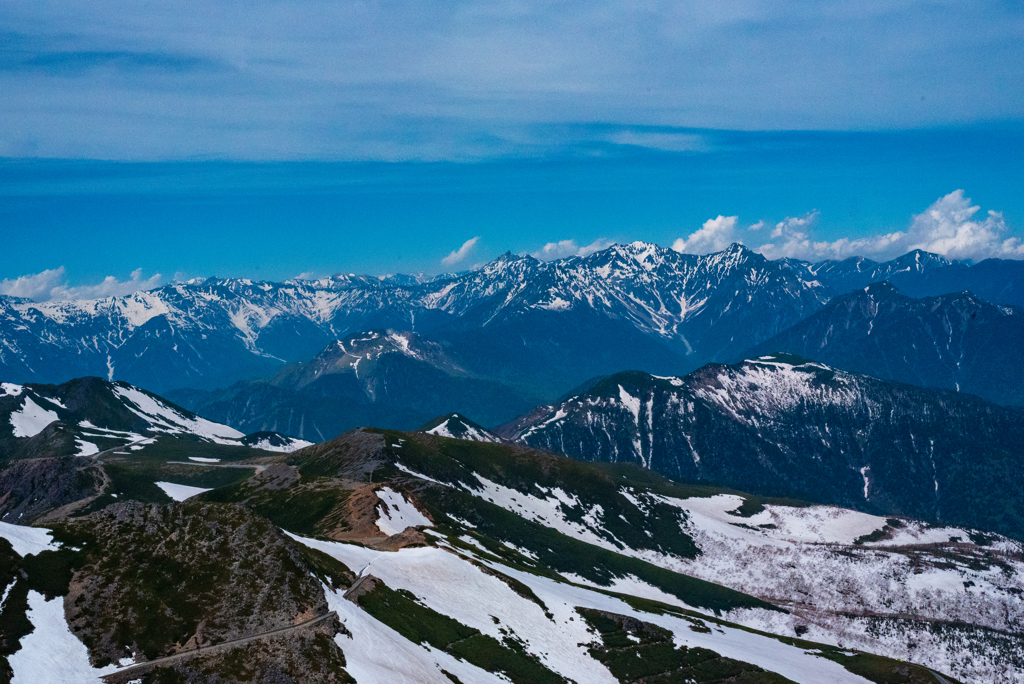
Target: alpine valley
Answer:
pixel 637 466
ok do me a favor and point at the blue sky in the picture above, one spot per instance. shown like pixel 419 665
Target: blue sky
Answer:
pixel 271 139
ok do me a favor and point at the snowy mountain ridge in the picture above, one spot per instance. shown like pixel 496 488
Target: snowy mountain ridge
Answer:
pixel 85 416
pixel 220 330
pixel 676 309
pixel 495 563
pixel 789 426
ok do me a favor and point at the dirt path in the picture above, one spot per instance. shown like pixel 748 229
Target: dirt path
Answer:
pixel 259 468
pixel 97 461
pixel 124 674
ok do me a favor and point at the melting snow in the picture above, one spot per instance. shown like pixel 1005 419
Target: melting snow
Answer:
pixel 51 654
pixel 630 402
pixel 201 459
pixel 376 653
pixel 179 492
pixel 11 390
pixel 28 540
pixel 30 420
pixel 86 448
pixel 420 475
pixel 398 514
pixel 165 419
pixel 451 585
pixel 291 445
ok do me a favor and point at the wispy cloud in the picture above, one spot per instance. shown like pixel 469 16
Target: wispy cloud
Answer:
pixel 432 79
pixel 669 141
pixel 461 253
pixel 52 285
pixel 568 248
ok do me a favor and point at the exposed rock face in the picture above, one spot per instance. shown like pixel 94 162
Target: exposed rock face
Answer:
pixel 31 488
pixel 159 579
pixel 953 341
pixel 787 426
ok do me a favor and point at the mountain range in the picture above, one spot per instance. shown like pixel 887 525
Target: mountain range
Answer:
pixel 788 426
pixel 385 556
pixel 382 377
pixel 539 328
pixel 953 341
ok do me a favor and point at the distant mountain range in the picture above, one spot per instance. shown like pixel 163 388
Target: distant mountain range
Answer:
pixel 787 426
pixel 954 341
pixel 377 378
pixel 544 326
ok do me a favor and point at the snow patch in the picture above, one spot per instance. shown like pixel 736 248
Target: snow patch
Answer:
pixel 292 444
pixel 28 540
pixel 163 418
pixel 421 476
pixel 30 420
pixel 51 654
pixel 397 514
pixel 86 448
pixel 179 492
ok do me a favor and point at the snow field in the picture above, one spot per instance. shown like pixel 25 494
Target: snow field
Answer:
pixel 179 492
pixel 377 654
pixel 398 514
pixel 809 565
pixel 51 654
pixel 86 448
pixel 28 540
pixel 165 419
pixel 451 585
pixel 31 418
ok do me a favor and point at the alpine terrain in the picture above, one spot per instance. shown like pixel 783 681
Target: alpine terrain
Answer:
pixel 635 466
pixel 385 556
pixel 788 426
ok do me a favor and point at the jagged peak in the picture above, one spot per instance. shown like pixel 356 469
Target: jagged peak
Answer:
pixel 882 287
pixel 919 259
pixel 784 361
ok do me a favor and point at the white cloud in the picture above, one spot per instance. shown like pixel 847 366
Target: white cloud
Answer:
pixel 946 228
pixel 52 285
pixel 460 253
pixel 715 235
pixel 568 248
pixel 757 226
pixel 36 286
pixel 792 238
